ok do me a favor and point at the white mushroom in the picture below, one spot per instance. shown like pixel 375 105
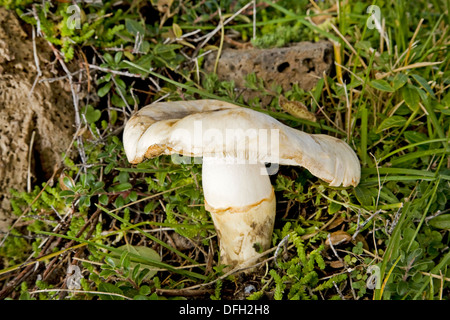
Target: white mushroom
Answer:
pixel 235 144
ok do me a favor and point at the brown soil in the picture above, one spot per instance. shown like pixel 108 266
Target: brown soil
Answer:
pixel 46 110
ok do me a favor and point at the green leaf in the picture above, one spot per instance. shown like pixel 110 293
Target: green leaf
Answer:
pixel 92 115
pixel 103 199
pixel 414 136
pixel 424 84
pixel 161 49
pixel 122 187
pixel 104 90
pixel 446 100
pixel 334 207
pixel 68 182
pixel 149 207
pixel 84 201
pixel 112 116
pixel 440 222
pixel 144 63
pixel 118 57
pixel 411 97
pixel 363 45
pixel 177 30
pixel 399 81
pixel 142 251
pixel 124 260
pixel 402 287
pixel 145 290
pixel 66 193
pixel 117 101
pixel 382 85
pixel 135 272
pixel 122 177
pixel 108 287
pixel 119 202
pixel 121 84
pixel 391 122
pixel 132 196
pixel 108 58
pixel 110 261
pixel 363 195
pixel 109 167
pixel 98 185
pixel 134 27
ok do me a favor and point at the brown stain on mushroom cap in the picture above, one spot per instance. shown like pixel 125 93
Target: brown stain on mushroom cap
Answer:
pixel 154 151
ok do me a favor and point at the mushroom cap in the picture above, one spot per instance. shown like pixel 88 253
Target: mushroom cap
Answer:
pixel 213 128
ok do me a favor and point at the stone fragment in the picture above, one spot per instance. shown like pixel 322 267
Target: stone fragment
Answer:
pixel 301 63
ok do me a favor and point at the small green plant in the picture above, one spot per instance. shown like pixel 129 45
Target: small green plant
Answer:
pixel 298 276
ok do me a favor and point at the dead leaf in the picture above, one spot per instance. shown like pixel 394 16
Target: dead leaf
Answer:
pixel 320 17
pixel 175 34
pixel 163 5
pixel 181 242
pixel 336 264
pixel 338 237
pixel 296 109
pixel 337 222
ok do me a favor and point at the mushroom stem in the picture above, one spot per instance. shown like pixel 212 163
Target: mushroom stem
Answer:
pixel 241 201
